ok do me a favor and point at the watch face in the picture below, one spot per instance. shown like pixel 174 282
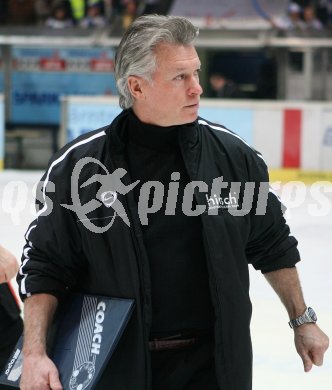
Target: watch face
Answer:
pixel 312 314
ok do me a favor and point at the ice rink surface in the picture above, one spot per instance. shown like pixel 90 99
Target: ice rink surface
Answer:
pixel 276 363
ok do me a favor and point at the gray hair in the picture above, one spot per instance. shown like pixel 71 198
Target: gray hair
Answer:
pixel 135 55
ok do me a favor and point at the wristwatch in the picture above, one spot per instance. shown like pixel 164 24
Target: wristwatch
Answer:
pixel 309 316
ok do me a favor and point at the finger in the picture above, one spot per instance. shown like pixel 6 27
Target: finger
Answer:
pixel 317 359
pixel 55 383
pixel 307 363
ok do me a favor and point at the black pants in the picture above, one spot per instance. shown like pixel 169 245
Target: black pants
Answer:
pixel 191 368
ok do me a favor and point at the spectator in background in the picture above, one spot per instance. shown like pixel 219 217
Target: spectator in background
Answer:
pixel 77 9
pixel 45 8
pixel 60 18
pixel 293 21
pixel 223 87
pixel 129 13
pixel 310 19
pixel 11 324
pixel 94 17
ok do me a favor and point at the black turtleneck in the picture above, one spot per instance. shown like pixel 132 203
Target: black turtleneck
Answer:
pixel 179 278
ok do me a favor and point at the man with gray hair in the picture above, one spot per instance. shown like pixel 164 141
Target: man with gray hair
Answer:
pixel 183 241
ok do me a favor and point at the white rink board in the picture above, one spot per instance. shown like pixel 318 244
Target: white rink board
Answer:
pixel 276 364
pixel 268 137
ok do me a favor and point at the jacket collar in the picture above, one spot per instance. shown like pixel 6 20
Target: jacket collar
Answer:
pixel 189 141
pixel 191 146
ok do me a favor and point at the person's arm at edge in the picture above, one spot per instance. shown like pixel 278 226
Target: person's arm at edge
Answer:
pixel 39 372
pixel 310 341
pixel 8 265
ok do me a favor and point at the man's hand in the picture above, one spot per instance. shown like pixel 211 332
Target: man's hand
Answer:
pixel 8 265
pixel 311 343
pixel 39 373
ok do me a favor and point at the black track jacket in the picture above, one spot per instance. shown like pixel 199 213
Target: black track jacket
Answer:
pixel 65 250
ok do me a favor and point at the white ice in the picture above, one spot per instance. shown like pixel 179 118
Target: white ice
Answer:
pixel 276 363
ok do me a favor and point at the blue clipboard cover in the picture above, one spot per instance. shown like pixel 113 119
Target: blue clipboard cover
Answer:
pixel 85 334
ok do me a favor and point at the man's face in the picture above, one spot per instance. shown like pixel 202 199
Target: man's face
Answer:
pixel 172 98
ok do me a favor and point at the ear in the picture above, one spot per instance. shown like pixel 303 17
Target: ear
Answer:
pixel 135 87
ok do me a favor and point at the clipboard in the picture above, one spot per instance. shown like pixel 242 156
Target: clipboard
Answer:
pixel 85 333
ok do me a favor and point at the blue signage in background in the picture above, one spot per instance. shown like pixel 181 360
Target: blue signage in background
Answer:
pixel 239 120
pixel 84 117
pixel 41 76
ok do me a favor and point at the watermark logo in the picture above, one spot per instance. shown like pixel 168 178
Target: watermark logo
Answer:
pixel 111 186
pixel 88 192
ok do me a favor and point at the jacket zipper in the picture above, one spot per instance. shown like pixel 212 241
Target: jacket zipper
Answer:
pixel 213 277
pixel 140 277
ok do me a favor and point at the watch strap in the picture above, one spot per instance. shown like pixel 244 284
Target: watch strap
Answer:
pixel 309 316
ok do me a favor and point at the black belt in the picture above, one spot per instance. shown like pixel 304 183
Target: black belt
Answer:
pixel 179 341
pixel 162 344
